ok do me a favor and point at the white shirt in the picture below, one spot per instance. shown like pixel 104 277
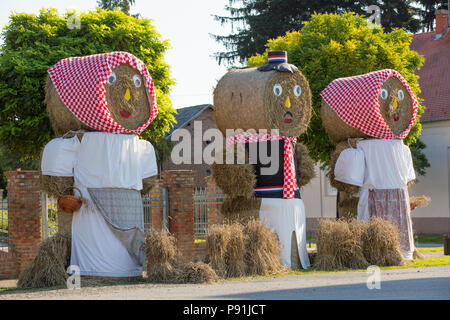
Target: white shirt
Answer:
pixel 375 164
pixel 101 160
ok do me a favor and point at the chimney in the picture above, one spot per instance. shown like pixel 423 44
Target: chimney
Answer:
pixel 441 20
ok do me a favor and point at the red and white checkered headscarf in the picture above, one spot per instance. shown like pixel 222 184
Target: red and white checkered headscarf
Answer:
pixel 355 100
pixel 290 181
pixel 80 83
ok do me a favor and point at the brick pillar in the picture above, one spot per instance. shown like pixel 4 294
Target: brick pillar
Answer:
pixel 157 212
pixel 180 186
pixel 24 216
pixel 214 203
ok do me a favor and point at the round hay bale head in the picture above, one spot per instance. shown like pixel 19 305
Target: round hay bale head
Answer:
pixel 251 99
pixel 336 128
pixel 128 104
pixel 397 109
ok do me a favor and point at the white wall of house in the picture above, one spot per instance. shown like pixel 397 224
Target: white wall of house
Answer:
pixel 436 217
pixel 319 199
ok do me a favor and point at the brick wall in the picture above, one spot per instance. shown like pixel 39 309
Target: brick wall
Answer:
pixel 8 265
pixel 24 222
pixel 200 171
pixel 180 187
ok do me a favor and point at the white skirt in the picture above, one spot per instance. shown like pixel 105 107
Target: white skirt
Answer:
pixel 286 216
pixel 95 249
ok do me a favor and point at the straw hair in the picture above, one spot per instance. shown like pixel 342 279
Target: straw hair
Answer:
pixel 244 99
pixel 404 110
pixel 339 245
pixel 49 267
pixel 148 184
pixel 240 209
pixel 305 165
pixel 217 243
pixel 262 249
pixel 341 186
pixel 197 272
pixel 347 206
pixel 161 253
pixel 381 243
pixel 418 255
pixel 419 202
pixel 61 118
pixel 235 250
pixel 235 180
pixel 335 127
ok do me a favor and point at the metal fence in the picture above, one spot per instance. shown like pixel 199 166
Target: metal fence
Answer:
pixel 49 216
pixel 156 201
pixel 202 199
pixel 3 223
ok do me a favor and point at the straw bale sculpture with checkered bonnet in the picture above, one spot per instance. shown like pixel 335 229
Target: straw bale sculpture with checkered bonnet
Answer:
pixel 98 105
pixel 271 104
pixel 367 117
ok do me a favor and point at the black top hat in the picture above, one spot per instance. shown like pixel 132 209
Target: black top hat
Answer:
pixel 278 61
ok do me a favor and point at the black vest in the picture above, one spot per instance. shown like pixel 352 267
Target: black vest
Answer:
pixel 265 181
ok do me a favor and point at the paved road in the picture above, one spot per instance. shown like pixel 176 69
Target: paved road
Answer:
pixel 417 283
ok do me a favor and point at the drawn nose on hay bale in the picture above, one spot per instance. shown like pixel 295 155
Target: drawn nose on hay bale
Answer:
pixel 250 99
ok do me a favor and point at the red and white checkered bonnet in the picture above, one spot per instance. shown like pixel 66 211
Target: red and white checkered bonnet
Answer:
pixel 355 100
pixel 80 83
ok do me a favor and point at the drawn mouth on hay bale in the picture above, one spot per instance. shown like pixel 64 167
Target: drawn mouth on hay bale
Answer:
pixel 125 114
pixel 288 118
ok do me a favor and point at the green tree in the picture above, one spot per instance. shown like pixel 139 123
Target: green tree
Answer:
pixel 123 5
pixel 427 12
pixel 254 22
pixel 33 43
pixel 332 46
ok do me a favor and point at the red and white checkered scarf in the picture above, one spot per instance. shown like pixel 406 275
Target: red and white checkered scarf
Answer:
pixel 290 181
pixel 355 100
pixel 80 83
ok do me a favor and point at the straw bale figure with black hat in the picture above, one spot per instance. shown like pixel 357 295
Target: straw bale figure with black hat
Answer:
pixel 271 104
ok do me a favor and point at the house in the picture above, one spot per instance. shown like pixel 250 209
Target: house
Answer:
pixel 185 120
pixel 435 86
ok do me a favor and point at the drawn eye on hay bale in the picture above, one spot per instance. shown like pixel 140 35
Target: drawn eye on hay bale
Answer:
pixel 97 106
pixel 269 103
pixel 367 116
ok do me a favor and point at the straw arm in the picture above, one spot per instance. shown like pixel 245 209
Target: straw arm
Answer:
pixel 341 186
pixel 55 186
pixel 305 165
pixel 148 184
pixel 235 180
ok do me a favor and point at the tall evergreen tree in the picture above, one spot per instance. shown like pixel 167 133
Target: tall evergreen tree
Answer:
pixel 256 21
pixel 427 12
pixel 123 5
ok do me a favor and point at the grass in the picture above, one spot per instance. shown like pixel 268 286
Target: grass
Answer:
pixel 424 238
pixel 416 263
pixel 430 249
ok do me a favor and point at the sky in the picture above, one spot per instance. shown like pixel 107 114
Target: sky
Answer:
pixel 186 24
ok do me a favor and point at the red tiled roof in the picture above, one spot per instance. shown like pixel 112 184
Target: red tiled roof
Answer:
pixel 434 75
